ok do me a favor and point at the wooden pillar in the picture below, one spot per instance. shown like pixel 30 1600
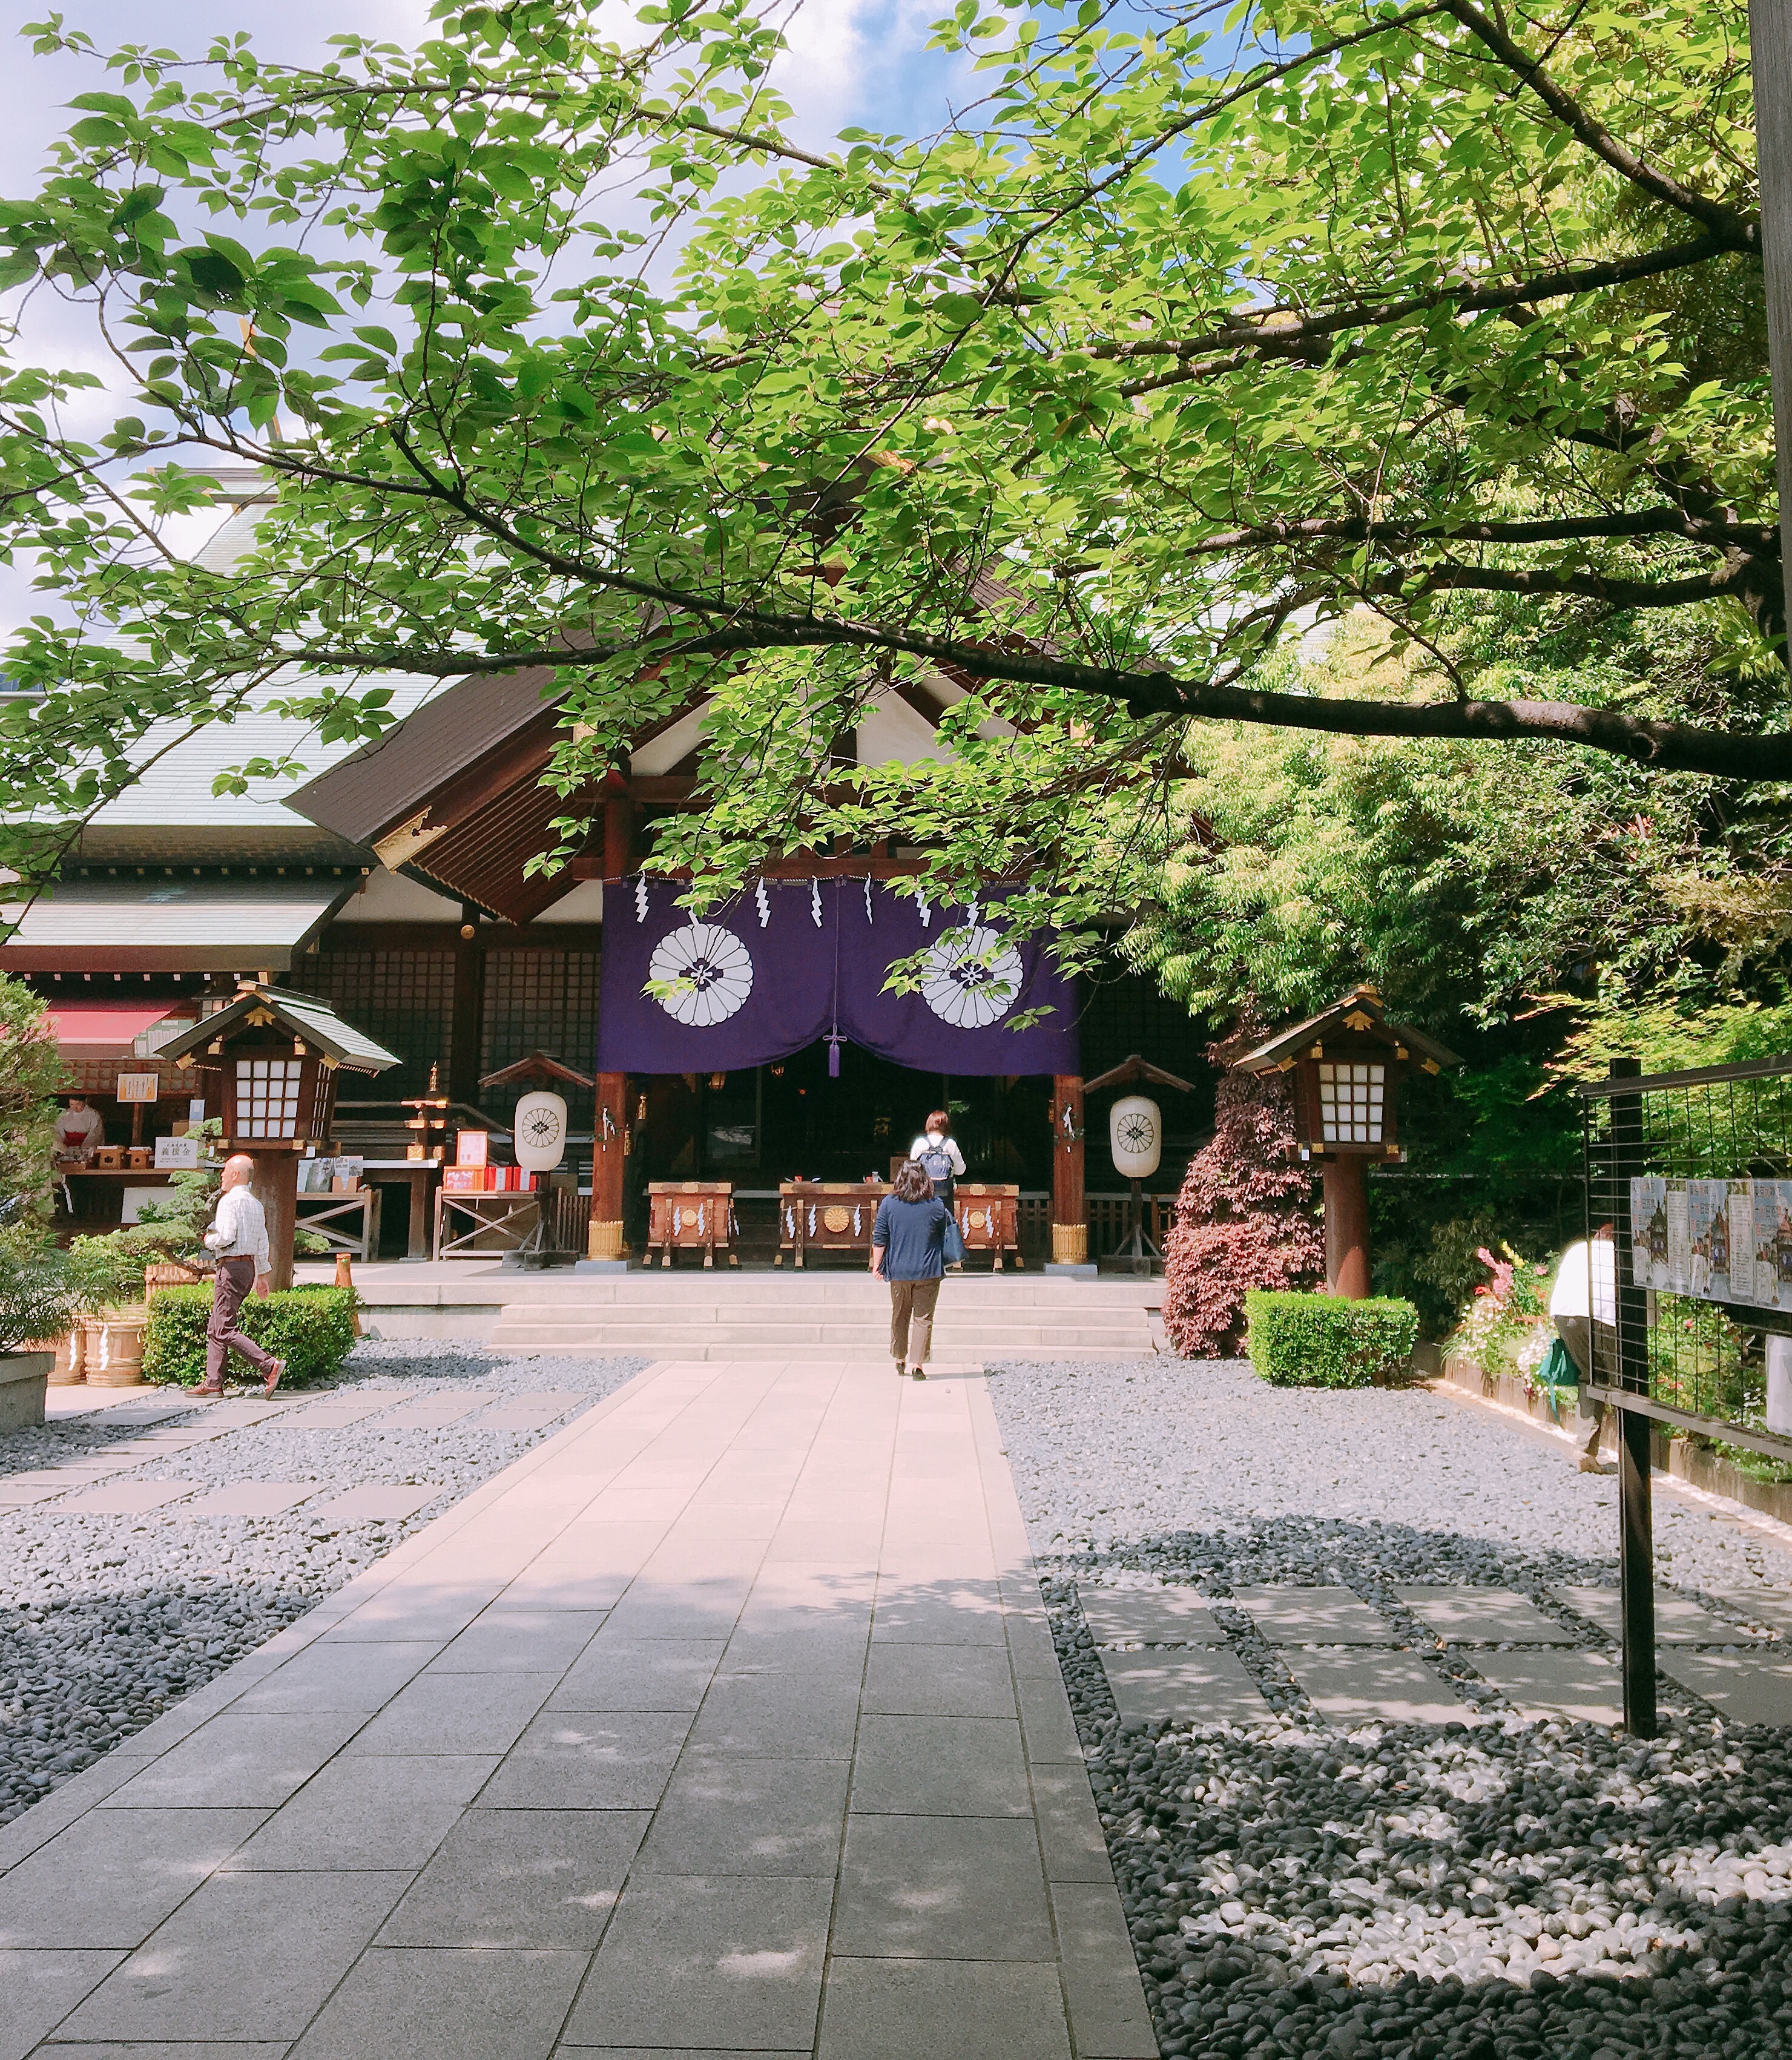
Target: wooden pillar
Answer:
pixel 609 1167
pixel 618 836
pixel 469 1018
pixel 276 1186
pixel 1346 1229
pixel 1069 1226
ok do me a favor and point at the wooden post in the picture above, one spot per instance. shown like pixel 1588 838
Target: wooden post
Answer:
pixel 1070 1209
pixel 468 1021
pixel 1636 1548
pixel 609 1166
pixel 618 836
pixel 1346 1229
pixel 276 1185
pixel 1771 56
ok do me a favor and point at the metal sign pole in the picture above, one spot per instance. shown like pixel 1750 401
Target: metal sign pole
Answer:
pixel 1635 1515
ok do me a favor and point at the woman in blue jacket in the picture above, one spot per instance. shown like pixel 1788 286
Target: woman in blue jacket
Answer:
pixel 908 1249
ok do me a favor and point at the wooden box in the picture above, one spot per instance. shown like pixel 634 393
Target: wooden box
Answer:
pixel 108 1158
pixel 989 1218
pixel 826 1216
pixel 691 1215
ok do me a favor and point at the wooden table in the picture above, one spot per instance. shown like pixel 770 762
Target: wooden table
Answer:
pixel 691 1215
pixel 496 1224
pixel 989 1219
pixel 827 1215
pixel 418 1174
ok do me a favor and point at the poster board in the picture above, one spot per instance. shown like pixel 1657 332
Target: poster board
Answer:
pixel 1716 1240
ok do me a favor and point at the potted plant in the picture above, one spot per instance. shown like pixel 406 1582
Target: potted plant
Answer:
pixel 38 1300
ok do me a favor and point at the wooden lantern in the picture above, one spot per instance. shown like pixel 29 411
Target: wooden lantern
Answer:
pixel 1346 1066
pixel 275 1056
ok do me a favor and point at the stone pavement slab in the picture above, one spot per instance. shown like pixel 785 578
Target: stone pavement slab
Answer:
pixel 1747 1688
pixel 128 1497
pixel 1678 1621
pixel 1148 1616
pixel 1483 1616
pixel 374 1504
pixel 727 1721
pixel 1583 1687
pixel 251 1499
pixel 1199 1687
pixel 1314 1616
pixel 1362 1687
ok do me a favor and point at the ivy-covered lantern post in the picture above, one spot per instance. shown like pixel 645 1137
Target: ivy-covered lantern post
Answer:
pixel 1346 1066
pixel 276 1056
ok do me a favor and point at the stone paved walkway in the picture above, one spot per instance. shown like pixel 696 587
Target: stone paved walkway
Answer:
pixel 727 1721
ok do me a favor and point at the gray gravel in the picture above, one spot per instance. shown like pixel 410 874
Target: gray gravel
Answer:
pixel 1488 1888
pixel 106 1621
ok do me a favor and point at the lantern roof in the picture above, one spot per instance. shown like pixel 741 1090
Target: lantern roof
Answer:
pixel 300 1016
pixel 538 1066
pixel 1360 1011
pixel 1131 1071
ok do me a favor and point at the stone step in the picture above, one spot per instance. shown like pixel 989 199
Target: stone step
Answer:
pixel 844 1337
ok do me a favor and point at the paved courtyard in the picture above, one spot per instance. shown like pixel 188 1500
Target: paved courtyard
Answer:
pixel 727 1720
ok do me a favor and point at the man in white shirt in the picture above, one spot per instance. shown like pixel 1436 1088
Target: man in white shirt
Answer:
pixel 1584 1305
pixel 239 1236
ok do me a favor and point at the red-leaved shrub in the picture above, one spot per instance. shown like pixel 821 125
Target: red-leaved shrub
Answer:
pixel 1245 1218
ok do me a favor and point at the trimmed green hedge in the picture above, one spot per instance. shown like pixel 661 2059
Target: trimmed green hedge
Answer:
pixel 312 1328
pixel 1319 1341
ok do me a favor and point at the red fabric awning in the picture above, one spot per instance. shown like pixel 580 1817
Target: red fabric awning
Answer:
pixel 111 1023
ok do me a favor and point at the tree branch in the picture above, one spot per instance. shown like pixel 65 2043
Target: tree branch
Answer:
pixel 1358 529
pixel 1734 231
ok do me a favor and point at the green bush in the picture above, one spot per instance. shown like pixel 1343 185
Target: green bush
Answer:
pixel 1319 1341
pixel 312 1328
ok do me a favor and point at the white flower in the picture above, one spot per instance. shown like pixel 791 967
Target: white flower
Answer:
pixel 713 970
pixel 972 983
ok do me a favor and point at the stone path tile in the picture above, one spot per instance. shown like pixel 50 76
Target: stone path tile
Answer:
pixel 1748 1689
pixel 1678 1621
pixel 518 1643
pixel 247 1956
pixel 1206 1687
pixel 566 1760
pixel 1483 1616
pixel 402 2004
pixel 110 1879
pixel 528 1412
pixel 1771 1607
pixel 251 1499
pixel 582 1751
pixel 38 1990
pixel 520 1877
pixel 939 1681
pixel 940 1766
pixel 725 1813
pixel 616 1673
pixel 128 1497
pixel 900 2010
pixel 1314 1616
pixel 329 1676
pixel 689 1961
pixel 333 1414
pixel 928 1888
pixel 238 1762
pixel 432 1412
pixel 373 1813
pixel 455 1713
pixel 1583 1687
pixel 1356 1687
pixel 1148 1616
pixel 376 1505
pixel 1107 2007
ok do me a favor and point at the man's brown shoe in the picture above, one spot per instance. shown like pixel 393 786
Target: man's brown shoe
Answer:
pixel 277 1369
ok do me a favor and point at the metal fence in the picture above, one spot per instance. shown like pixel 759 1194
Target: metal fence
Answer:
pixel 1690 1174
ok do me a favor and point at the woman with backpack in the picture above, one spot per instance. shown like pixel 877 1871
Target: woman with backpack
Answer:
pixel 909 1242
pixel 937 1155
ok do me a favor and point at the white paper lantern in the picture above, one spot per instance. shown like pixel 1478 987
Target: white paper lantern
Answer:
pixel 1135 1136
pixel 541 1128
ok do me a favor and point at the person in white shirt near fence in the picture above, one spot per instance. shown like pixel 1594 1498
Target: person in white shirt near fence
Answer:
pixel 1584 1304
pixel 239 1236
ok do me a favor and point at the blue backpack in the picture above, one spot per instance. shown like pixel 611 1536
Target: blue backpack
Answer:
pixel 936 1162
